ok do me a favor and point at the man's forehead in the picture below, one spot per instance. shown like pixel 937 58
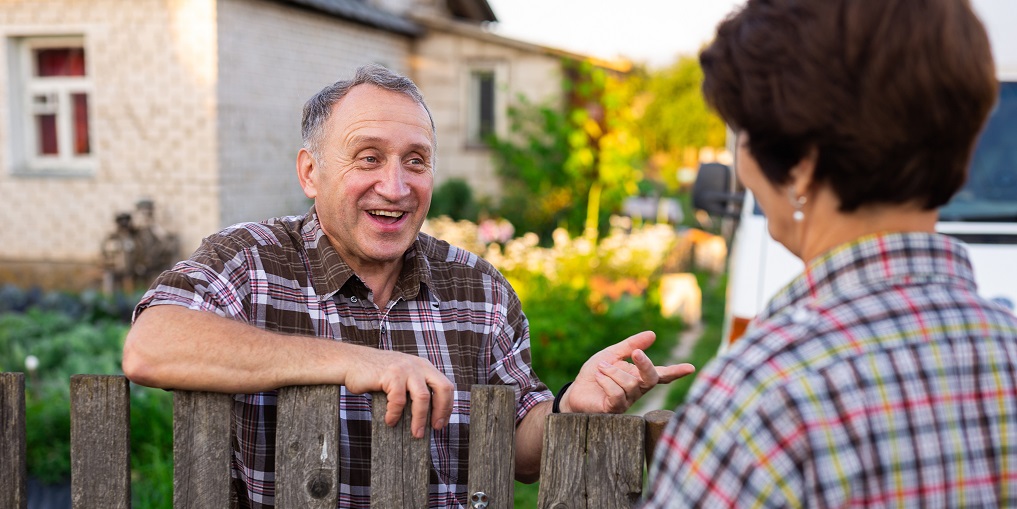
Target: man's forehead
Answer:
pixel 367 99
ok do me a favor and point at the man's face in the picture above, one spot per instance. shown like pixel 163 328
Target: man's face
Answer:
pixel 372 181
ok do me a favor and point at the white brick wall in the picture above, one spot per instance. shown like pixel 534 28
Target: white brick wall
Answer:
pixel 442 70
pixel 152 116
pixel 272 59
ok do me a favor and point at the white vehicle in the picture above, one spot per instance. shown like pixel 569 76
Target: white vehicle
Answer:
pixel 983 214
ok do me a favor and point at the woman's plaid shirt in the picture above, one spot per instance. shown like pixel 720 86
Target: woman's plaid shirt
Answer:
pixel 449 306
pixel 878 378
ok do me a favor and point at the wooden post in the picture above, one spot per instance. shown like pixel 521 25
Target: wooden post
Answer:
pixel 591 461
pixel 656 421
pixel 563 462
pixel 400 464
pixel 100 442
pixel 614 461
pixel 492 445
pixel 13 484
pixel 307 447
pixel 201 449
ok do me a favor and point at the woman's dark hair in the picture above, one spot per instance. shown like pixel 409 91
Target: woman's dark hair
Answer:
pixel 891 93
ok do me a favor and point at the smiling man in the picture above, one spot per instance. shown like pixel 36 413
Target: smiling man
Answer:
pixel 353 294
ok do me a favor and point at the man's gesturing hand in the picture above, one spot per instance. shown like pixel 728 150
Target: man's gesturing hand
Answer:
pixel 607 383
pixel 398 374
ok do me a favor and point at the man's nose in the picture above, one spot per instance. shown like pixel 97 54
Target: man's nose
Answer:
pixel 393 182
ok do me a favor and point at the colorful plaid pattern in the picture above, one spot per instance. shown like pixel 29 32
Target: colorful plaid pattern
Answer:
pixel 878 378
pixel 449 306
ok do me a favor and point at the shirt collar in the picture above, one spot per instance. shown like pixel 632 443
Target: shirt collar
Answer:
pixel 877 260
pixel 329 272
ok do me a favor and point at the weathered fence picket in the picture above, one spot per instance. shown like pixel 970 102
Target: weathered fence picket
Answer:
pixel 100 442
pixel 14 478
pixel 307 447
pixel 589 461
pixel 201 450
pixel 492 446
pixel 400 464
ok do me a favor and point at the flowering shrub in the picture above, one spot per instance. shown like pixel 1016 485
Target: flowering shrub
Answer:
pixel 579 295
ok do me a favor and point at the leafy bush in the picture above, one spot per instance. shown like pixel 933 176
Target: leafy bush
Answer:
pixel 565 331
pixel 454 198
pixel 68 336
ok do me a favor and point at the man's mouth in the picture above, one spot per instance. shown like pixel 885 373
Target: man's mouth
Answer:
pixel 388 216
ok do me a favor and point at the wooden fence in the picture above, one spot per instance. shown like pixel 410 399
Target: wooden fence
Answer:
pixel 589 461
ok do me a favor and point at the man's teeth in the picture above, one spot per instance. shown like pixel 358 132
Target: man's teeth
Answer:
pixel 386 213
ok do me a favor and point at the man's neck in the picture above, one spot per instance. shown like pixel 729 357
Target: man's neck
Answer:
pixel 380 279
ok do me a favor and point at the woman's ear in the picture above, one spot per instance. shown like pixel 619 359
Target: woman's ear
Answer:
pixel 307 168
pixel 802 174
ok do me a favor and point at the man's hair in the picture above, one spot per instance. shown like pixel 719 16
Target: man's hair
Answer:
pixel 318 109
pixel 891 93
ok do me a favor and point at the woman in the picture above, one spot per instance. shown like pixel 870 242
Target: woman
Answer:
pixel 878 377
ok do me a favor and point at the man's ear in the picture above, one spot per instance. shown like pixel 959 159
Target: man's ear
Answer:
pixel 307 168
pixel 803 172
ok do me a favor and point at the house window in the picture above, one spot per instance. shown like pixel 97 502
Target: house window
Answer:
pixel 51 105
pixel 481 121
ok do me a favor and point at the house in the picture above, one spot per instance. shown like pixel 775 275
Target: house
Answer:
pixel 194 106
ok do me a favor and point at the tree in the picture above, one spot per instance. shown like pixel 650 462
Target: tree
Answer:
pixel 673 120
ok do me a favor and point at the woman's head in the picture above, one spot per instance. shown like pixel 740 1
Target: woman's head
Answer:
pixel 887 95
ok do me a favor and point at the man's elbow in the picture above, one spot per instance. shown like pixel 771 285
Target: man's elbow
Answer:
pixel 137 364
pixel 528 477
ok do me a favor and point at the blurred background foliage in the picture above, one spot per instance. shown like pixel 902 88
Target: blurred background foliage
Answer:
pixel 619 135
pixel 61 334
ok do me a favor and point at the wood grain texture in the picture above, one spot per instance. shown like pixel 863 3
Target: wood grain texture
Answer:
pixel 492 445
pixel 400 464
pixel 100 442
pixel 13 473
pixel 201 450
pixel 307 447
pixel 614 461
pixel 563 462
pixel 656 421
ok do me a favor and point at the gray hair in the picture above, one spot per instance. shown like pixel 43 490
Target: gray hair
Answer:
pixel 318 109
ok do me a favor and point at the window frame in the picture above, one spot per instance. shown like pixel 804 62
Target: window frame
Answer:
pixel 25 86
pixel 498 71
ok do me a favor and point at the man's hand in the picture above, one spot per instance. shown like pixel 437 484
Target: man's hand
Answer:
pixel 607 383
pixel 399 374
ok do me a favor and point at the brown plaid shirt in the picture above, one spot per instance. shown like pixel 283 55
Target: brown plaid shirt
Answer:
pixel 449 306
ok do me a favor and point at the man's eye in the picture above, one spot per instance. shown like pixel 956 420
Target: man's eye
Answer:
pixel 370 159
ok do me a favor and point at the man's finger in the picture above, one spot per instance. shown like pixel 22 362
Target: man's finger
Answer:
pixel 647 371
pixel 396 403
pixel 673 372
pixel 639 341
pixel 441 401
pixel 420 396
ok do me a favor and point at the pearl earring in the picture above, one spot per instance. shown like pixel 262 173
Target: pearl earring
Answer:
pixel 797 203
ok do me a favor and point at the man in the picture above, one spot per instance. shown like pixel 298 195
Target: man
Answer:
pixel 406 314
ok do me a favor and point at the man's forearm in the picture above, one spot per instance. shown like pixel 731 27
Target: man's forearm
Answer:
pixel 530 442
pixel 177 348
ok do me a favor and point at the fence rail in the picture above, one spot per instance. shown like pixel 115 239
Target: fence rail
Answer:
pixel 589 461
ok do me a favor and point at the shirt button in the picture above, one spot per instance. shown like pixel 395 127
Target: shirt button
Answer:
pixel 354 299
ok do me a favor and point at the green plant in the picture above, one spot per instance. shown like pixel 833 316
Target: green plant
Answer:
pixel 66 338
pixel 454 198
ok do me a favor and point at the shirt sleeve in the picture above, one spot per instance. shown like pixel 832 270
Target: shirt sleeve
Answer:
pixel 213 279
pixel 702 462
pixel 510 354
